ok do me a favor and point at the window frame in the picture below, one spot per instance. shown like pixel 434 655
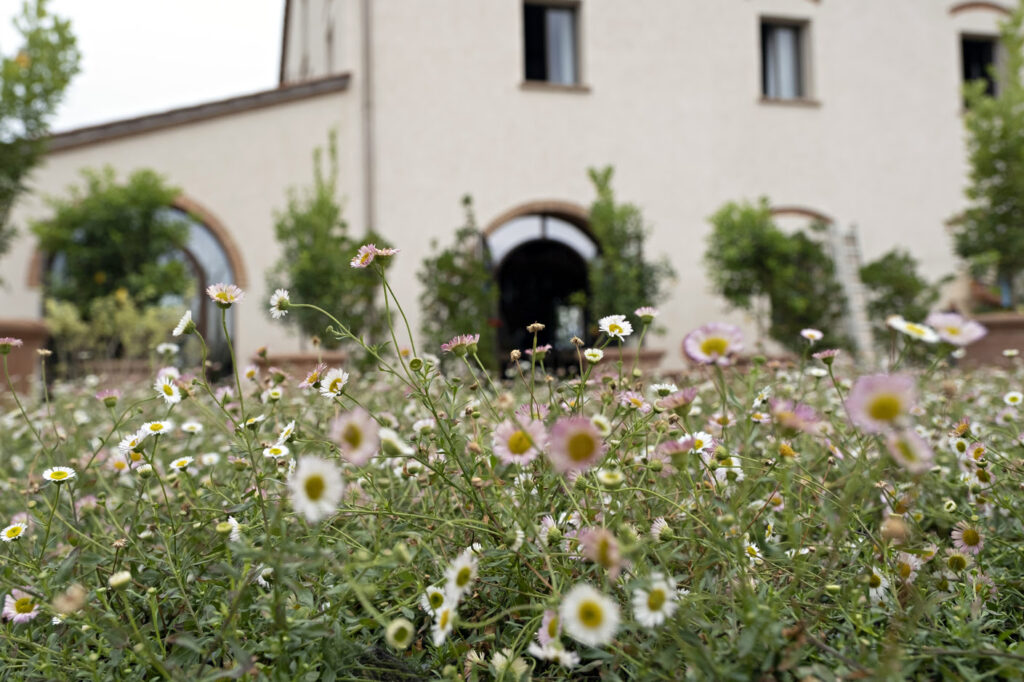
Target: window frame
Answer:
pixel 998 56
pixel 577 52
pixel 805 56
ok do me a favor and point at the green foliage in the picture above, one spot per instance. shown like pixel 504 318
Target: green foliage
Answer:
pixel 32 83
pixel 622 279
pixel 990 232
pixel 316 248
pixel 894 287
pixel 751 261
pixel 114 327
pixel 459 295
pixel 112 236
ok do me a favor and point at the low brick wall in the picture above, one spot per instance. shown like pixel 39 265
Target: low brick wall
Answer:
pixel 1005 330
pixel 23 363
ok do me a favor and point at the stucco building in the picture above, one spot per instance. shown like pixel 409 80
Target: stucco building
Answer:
pixel 848 111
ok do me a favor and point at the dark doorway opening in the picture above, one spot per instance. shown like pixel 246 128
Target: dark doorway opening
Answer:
pixel 543 281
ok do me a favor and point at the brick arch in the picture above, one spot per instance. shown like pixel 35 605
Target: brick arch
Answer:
pixel 976 5
pixel 566 210
pixel 192 207
pixel 802 212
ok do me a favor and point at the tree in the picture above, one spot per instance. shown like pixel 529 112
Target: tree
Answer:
pixel 459 294
pixel 316 249
pixel 990 233
pixel 110 236
pixel 894 287
pixel 751 261
pixel 621 277
pixel 32 84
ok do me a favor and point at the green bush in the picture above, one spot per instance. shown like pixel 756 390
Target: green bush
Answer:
pixel 894 287
pixel 316 248
pixel 459 295
pixel 752 262
pixel 113 237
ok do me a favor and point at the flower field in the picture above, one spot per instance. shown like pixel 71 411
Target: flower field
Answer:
pixel 423 519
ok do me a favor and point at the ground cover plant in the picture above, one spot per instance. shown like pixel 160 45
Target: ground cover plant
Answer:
pixel 754 520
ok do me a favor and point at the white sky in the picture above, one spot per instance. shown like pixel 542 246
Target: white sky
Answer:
pixel 144 56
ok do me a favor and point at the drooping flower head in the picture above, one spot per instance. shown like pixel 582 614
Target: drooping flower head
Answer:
pixel 366 253
pixel 575 445
pixel 615 326
pixel 224 295
pixel 279 303
pixel 911 451
pixel 460 575
pixel 519 440
pixel 313 379
pixel 713 343
pixel 956 329
pixel 357 436
pixel 881 401
pixel 185 325
pixel 678 402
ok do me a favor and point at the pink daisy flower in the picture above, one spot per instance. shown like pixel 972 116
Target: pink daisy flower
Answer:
pixel 575 445
pixel 461 345
pixel 518 441
pixel 634 400
pixel 967 538
pixel 911 451
pixel 20 607
pixel 678 402
pixel 356 435
pixel 314 377
pixel 224 295
pixel 795 416
pixel 600 546
pixel 955 329
pixel 7 343
pixel 713 343
pixel 881 401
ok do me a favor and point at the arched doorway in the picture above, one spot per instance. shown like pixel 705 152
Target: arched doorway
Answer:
pixel 540 265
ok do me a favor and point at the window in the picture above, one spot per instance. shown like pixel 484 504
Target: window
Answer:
pixel 549 43
pixel 979 56
pixel 783 60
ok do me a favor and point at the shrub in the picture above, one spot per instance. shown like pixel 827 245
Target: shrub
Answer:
pixel 315 251
pixel 894 287
pixel 108 236
pixel 751 262
pixel 459 295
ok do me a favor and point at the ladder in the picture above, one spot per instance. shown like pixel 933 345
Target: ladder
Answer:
pixel 845 249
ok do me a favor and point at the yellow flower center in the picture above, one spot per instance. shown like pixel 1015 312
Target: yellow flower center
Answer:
pixel 24 605
pixel 352 435
pixel 656 599
pixel 400 633
pixel 436 599
pixel 553 627
pixel 904 570
pixel 956 562
pixel 135 456
pixel 519 443
pixel 983 476
pixel 885 407
pixel 714 345
pixel 223 297
pixel 916 329
pixel 168 390
pixel 443 620
pixel 875 581
pixel 335 386
pixel 970 537
pixel 698 444
pixel 908 452
pixel 952 331
pixel 13 532
pixel 581 447
pixel 315 487
pixel 463 576
pixel 590 614
pixel 156 427
pixel 58 475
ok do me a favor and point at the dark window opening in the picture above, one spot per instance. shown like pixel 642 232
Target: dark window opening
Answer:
pixel 979 58
pixel 782 61
pixel 549 44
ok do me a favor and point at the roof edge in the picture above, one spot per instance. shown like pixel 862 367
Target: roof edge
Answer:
pixel 80 137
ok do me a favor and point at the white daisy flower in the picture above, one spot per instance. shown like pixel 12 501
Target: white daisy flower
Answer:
pixel 603 424
pixel 316 488
pixel 156 428
pixel 588 616
pixel 1013 398
pixel 615 326
pixel 702 442
pixel 279 303
pixel 224 295
pixel 656 604
pixel 13 532
pixel 444 620
pixel 168 390
pixel 658 526
pixel 181 463
pixel 236 529
pixel 461 574
pixel 333 383
pixel 277 450
pixel 914 330
pixel 167 349
pixel 432 599
pixel 878 587
pixel 192 427
pixel 59 474
pixel 286 432
pixel 209 459
pixel 272 395
pixel 593 355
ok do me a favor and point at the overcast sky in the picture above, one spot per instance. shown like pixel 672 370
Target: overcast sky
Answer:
pixel 143 56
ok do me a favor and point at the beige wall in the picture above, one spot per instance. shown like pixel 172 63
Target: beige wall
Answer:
pixel 672 99
pixel 673 103
pixel 239 168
